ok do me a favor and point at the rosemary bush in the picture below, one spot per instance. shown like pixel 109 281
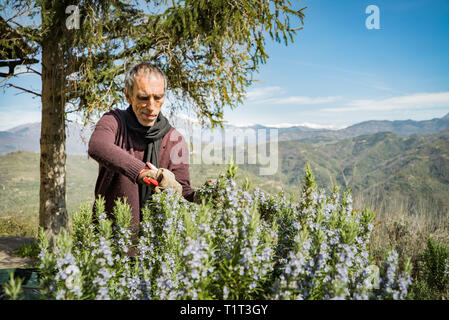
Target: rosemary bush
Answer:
pixel 237 244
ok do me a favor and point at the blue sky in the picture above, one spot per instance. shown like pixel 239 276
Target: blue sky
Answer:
pixel 336 73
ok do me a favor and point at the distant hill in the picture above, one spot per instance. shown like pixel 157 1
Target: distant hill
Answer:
pixel 382 169
pixel 399 127
pixel 402 127
pixel 387 164
pixel 19 183
pixel 26 137
pixel 385 171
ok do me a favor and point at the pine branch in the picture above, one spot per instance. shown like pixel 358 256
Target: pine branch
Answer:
pixel 295 29
pixel 32 70
pixel 26 90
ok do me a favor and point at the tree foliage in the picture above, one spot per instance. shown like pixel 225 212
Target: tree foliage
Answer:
pixel 209 49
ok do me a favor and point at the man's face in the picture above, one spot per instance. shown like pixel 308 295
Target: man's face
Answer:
pixel 147 97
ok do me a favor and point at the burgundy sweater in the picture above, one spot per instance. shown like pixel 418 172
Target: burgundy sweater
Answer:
pixel 120 154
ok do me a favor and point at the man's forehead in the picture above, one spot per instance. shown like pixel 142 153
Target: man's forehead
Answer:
pixel 144 81
pixel 145 72
pixel 150 76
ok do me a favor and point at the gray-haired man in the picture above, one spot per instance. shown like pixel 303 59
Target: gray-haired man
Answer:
pixel 125 143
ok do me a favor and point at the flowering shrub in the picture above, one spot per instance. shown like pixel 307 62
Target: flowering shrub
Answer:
pixel 237 244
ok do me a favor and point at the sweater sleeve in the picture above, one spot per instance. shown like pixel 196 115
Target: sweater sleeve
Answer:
pixel 102 148
pixel 179 164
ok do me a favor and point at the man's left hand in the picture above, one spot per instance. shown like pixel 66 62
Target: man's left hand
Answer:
pixel 166 179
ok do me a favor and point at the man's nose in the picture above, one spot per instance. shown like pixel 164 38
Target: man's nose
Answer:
pixel 150 103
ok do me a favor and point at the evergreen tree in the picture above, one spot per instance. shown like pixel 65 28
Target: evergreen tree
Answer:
pixel 209 50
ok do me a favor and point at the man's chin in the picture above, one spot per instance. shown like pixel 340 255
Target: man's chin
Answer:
pixel 147 123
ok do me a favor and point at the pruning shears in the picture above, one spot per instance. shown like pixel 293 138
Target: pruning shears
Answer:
pixel 148 180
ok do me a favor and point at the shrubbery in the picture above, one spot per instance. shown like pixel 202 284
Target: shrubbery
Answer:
pixel 433 273
pixel 238 244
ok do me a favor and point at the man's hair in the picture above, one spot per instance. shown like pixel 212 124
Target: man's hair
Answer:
pixel 145 66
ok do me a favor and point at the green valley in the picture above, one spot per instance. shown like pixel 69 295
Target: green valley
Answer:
pixel 384 171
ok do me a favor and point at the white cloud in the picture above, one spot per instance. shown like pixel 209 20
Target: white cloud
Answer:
pixel 271 95
pixel 305 100
pixel 305 124
pixel 243 124
pixel 414 101
pixel 263 93
pixel 12 116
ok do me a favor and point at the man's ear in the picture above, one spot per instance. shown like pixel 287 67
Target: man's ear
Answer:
pixel 128 98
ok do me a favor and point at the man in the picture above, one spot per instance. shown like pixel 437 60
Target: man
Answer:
pixel 124 141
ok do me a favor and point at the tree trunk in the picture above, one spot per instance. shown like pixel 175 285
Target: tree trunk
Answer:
pixel 52 203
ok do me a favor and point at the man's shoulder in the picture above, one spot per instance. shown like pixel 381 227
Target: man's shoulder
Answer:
pixel 115 112
pixel 113 116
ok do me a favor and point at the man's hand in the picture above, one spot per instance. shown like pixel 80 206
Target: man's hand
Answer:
pixel 166 179
pixel 146 173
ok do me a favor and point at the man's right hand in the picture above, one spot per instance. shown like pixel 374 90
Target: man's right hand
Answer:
pixel 146 172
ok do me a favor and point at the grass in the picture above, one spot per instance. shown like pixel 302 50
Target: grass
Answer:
pixel 28 250
pixel 18 226
pixel 19 186
pixel 409 234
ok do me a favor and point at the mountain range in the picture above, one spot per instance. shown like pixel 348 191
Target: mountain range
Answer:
pixel 26 137
pixel 382 169
pixel 399 127
pixel 386 171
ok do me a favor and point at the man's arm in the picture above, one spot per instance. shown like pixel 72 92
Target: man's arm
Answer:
pixel 102 148
pixel 179 163
pixel 183 177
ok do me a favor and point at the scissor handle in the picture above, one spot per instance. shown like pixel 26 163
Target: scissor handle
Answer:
pixel 151 181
